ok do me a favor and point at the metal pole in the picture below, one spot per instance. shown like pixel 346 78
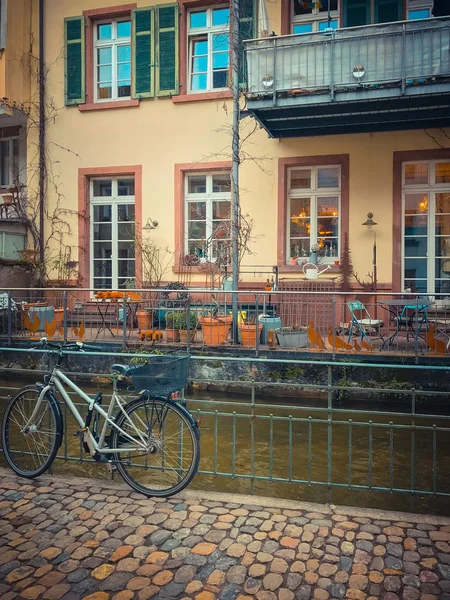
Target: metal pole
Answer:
pixel 235 43
pixel 42 165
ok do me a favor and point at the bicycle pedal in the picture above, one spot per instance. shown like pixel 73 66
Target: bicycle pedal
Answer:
pixel 110 467
pixel 78 433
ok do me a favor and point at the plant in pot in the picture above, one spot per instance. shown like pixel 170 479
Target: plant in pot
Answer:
pixel 249 328
pixel 173 326
pixel 293 337
pixel 183 323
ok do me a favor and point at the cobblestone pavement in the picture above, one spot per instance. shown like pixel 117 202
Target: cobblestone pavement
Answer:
pixel 82 539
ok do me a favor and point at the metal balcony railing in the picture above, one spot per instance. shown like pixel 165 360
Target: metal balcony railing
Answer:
pixel 391 55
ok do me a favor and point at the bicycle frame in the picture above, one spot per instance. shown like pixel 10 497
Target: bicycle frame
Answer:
pixel 57 379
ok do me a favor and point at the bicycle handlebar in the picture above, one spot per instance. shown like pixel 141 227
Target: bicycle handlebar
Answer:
pixel 80 346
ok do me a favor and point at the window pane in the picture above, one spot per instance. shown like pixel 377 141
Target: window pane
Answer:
pixel 124 90
pixel 102 232
pixel 103 284
pixel 323 25
pixel 104 91
pixel 15 165
pixel 197 230
pixel 300 207
pixel 198 19
pixel 220 60
pixel 328 206
pixel 416 204
pixel 415 246
pixel 221 183
pixel 221 230
pixel 327 226
pixel 416 225
pixel 442 203
pixel 443 172
pixel 302 8
pixel 220 79
pixel 415 268
pixel 300 247
pixel 102 268
pixel 300 179
pixel 200 65
pixel 323 5
pixel 124 29
pixel 221 16
pixel 124 72
pixel 197 248
pixel 125 213
pixel 442 246
pixel 328 178
pixel 13 244
pixel 102 249
pixel 104 31
pixel 416 174
pixel 125 231
pixel 300 224
pixel 125 187
pixel 102 213
pixel 4 163
pixel 124 53
pixel 125 268
pixel 221 42
pixel 419 13
pixel 126 249
pixel 104 56
pixel 105 74
pixel 303 28
pixel 102 187
pixel 199 83
pixel 329 246
pixel 196 211
pixel 197 184
pixel 221 210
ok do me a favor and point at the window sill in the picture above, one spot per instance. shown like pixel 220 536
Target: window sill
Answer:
pixel 224 95
pixel 108 105
pixel 299 268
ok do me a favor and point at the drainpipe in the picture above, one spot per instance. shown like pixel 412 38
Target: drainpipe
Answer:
pixel 42 160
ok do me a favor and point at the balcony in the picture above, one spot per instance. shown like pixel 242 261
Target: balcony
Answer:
pixel 385 77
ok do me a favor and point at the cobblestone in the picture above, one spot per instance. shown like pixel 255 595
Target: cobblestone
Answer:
pixel 61 541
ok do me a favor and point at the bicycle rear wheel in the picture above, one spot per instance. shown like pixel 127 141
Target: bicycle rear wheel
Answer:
pixel 30 452
pixel 162 457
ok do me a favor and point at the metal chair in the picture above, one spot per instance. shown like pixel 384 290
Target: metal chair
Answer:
pixel 362 322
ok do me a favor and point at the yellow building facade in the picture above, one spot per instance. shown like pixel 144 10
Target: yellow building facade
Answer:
pixel 141 129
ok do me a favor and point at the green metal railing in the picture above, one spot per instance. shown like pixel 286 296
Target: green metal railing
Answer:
pixel 331 436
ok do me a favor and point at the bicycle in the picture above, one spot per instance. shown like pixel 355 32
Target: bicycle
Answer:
pixel 153 441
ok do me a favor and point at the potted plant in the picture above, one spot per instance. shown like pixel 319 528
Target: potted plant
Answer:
pixel 183 324
pixel 292 337
pixel 249 328
pixel 173 327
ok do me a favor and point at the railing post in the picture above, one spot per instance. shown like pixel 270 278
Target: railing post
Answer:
pixel 403 57
pixel 9 319
pixel 333 324
pixel 65 317
pixel 274 54
pixel 330 430
pixel 188 324
pixel 332 66
pixel 125 319
pixel 256 325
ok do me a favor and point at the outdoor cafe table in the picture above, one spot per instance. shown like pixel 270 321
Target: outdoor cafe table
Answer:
pixel 395 308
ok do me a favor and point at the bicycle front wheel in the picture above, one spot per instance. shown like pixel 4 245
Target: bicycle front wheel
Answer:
pixel 30 447
pixel 162 456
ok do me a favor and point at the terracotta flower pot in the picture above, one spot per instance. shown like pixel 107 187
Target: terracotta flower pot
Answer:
pixel 215 330
pixel 248 334
pixel 59 317
pixel 144 319
pixel 184 335
pixel 173 335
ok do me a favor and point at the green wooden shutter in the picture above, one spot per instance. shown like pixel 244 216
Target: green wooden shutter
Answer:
pixel 247 31
pixel 74 61
pixel 356 12
pixel 387 11
pixel 142 43
pixel 167 80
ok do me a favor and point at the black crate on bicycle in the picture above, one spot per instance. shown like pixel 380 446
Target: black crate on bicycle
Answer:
pixel 161 376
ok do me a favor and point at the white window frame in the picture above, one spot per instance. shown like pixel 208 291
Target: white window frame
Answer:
pixel 209 198
pixel 314 18
pixel 114 200
pixel 114 43
pixel 3 236
pixel 13 168
pixel 431 189
pixel 207 31
pixel 313 193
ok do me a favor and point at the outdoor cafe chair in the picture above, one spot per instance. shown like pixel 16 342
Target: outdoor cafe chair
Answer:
pixel 362 323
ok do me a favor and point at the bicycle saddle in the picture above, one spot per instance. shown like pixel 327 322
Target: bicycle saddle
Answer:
pixel 122 369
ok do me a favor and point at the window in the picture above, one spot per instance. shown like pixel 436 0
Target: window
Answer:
pixel 418 9
pixel 314 197
pixel 313 16
pixel 112 232
pixel 208 215
pixel 426 226
pixel 112 59
pixel 364 12
pixel 209 46
pixel 9 161
pixel 11 244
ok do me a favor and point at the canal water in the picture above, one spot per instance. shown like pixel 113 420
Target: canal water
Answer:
pixel 247 449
